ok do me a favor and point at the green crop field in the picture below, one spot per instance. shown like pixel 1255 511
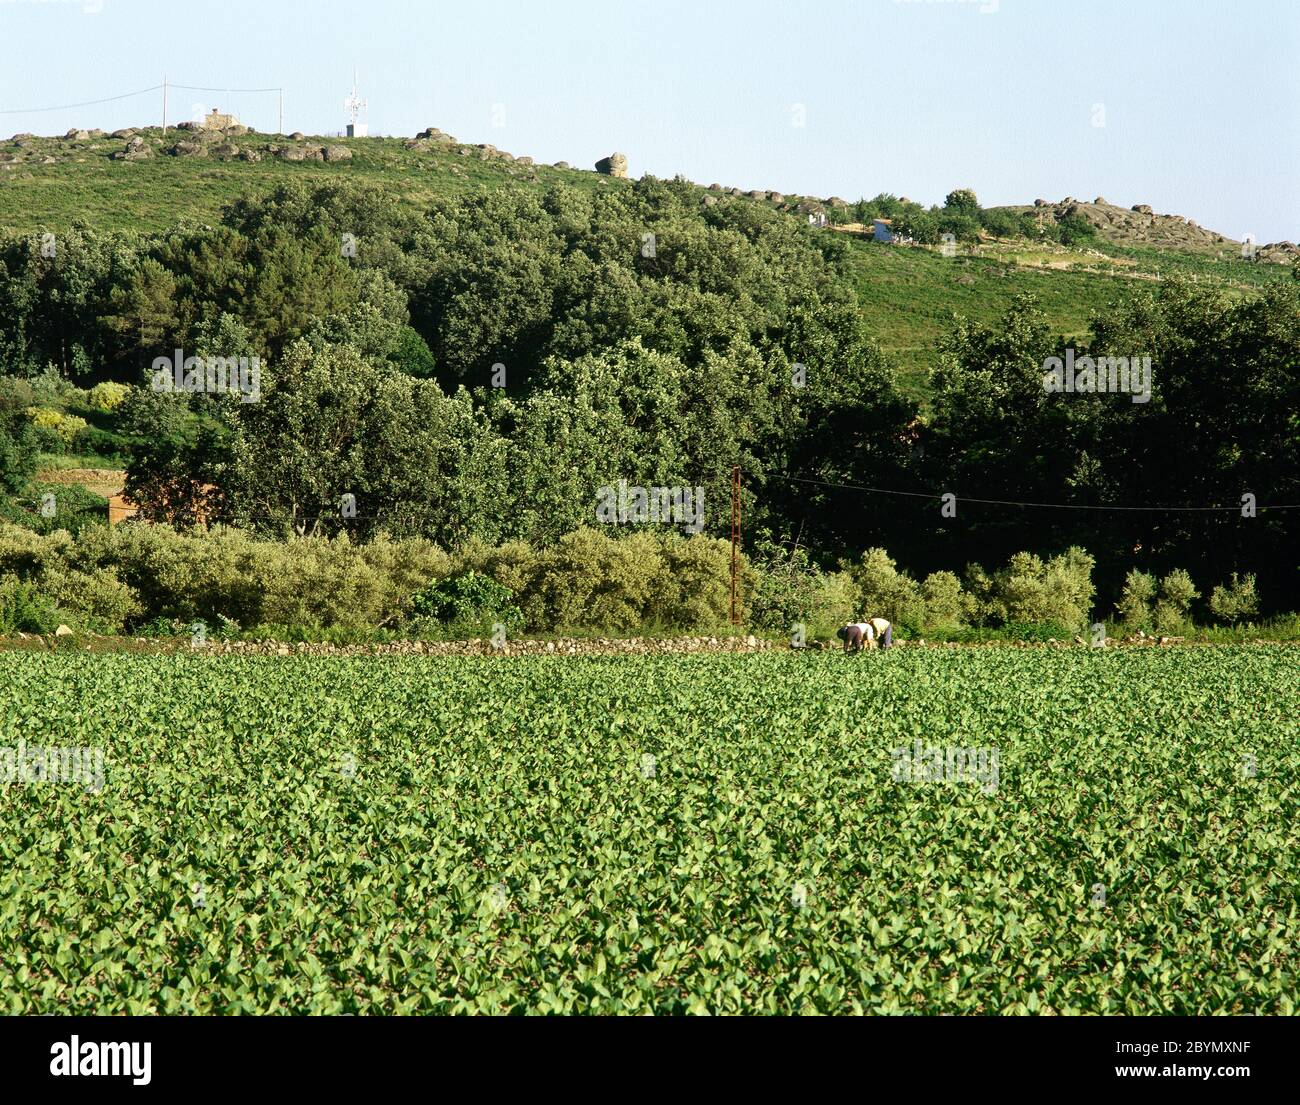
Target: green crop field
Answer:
pixel 668 834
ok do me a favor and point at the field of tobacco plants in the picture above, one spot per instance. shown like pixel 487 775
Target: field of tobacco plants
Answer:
pixel 922 831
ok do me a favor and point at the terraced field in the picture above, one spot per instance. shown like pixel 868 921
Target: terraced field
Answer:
pixel 922 831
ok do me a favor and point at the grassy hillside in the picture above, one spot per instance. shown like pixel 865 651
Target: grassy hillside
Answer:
pixel 910 296
pixel 58 181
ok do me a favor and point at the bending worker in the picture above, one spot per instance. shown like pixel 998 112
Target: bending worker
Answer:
pixel 857 635
pixel 854 634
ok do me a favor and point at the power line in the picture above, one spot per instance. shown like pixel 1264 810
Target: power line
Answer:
pixel 84 103
pixel 1011 502
pixel 198 88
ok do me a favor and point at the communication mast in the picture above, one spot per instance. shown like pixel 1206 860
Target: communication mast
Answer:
pixel 354 106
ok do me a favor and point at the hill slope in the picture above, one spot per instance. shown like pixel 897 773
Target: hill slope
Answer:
pixel 140 180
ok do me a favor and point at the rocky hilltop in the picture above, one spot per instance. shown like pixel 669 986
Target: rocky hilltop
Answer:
pixel 1141 225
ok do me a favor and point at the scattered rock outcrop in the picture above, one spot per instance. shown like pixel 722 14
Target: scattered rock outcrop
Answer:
pixel 137 149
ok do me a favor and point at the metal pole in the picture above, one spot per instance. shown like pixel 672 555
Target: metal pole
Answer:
pixel 735 542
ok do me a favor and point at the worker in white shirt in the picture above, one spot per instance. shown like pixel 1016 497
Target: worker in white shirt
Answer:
pixel 854 635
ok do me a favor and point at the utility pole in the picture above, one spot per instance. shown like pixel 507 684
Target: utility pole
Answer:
pixel 735 543
pixel 164 105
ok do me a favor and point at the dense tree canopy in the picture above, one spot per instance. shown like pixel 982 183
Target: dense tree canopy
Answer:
pixel 482 368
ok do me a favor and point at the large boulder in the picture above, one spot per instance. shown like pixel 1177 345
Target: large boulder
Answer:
pixel 336 153
pixel 614 165
pixel 188 149
pixel 292 153
pixel 136 150
pixel 75 135
pixel 1142 208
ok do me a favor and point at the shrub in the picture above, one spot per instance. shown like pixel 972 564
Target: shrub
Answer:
pixel 1237 601
pixel 49 384
pixel 24 608
pixel 1135 601
pixel 790 589
pixel 697 584
pixel 147 413
pixel 108 396
pixel 18 447
pixel 63 427
pixel 885 592
pixel 97 599
pixel 1173 607
pixel 1002 224
pixel 75 508
pixel 15 395
pixel 587 580
pixel 1076 230
pixel 468 601
pixel 942 596
pixel 1030 589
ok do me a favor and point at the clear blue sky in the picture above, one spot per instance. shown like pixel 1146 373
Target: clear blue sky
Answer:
pixel 1201 98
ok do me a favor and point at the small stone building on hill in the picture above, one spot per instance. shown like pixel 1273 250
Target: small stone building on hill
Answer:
pixel 214 120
